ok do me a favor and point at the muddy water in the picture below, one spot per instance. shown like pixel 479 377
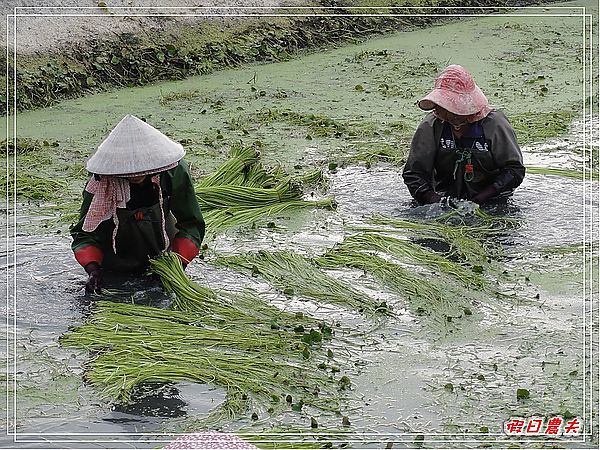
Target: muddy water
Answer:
pixel 399 381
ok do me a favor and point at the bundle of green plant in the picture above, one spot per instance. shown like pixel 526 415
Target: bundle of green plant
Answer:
pixel 225 196
pixel 264 380
pixel 122 324
pixel 229 341
pixel 258 177
pixel 221 219
pixel 223 307
pixel 231 308
pixel 414 253
pixel 233 171
pixel 31 186
pixel 438 302
pixel 295 274
pixel 466 242
pixel 242 191
pixel 314 178
pixel 570 173
pixel 244 168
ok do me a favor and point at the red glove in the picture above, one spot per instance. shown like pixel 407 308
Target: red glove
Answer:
pixel 185 249
pixel 88 254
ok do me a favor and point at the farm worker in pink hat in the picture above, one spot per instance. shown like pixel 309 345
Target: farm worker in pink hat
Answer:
pixel 463 148
pixel 139 202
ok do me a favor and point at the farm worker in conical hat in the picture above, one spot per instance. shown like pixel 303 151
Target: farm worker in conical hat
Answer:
pixel 463 148
pixel 139 202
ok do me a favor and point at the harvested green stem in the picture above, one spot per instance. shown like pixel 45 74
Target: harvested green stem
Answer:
pixel 424 297
pixel 233 170
pixel 570 173
pixel 244 196
pixel 467 242
pixel 410 252
pixel 221 219
pixel 295 274
pixel 220 307
pixel 153 325
pixel 224 340
pixel 242 191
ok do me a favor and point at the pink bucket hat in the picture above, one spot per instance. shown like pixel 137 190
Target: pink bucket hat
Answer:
pixel 456 91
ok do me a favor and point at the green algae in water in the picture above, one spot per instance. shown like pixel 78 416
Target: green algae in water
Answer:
pixel 31 186
pixel 371 153
pixel 318 125
pixel 533 126
pixel 190 49
pixel 24 146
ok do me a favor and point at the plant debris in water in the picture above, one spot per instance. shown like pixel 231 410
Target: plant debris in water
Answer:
pixel 31 186
pixel 569 173
pixel 538 126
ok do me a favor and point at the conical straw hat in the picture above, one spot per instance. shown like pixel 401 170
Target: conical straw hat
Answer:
pixel 133 146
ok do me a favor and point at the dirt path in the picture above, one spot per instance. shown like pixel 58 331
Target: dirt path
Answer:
pixel 69 21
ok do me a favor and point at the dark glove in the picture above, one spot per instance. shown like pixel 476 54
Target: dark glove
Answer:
pixel 485 195
pixel 449 202
pixel 431 197
pixel 94 282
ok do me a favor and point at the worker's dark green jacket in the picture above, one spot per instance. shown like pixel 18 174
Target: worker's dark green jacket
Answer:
pixel 140 234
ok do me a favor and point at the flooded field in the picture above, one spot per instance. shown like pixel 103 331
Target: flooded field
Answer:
pixel 424 376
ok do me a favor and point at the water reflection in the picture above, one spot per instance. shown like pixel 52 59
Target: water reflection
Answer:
pixel 151 399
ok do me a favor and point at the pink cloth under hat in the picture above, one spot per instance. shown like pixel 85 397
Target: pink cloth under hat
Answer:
pixel 455 90
pixel 110 193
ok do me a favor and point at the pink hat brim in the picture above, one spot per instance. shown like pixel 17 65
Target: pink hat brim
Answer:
pixel 460 104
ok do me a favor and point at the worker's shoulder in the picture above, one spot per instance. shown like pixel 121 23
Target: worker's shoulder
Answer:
pixel 496 116
pixel 429 121
pixel 181 168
